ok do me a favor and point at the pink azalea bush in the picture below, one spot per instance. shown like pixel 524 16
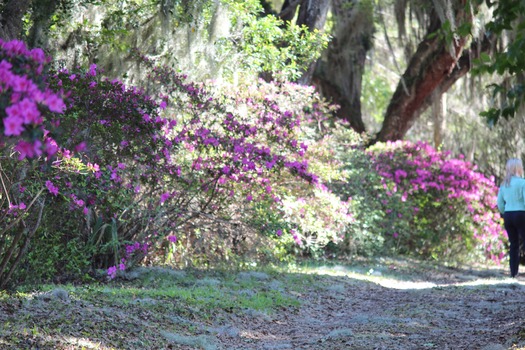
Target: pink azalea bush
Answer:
pixel 433 205
pixel 124 178
pixel 301 218
pixel 131 170
pixel 27 105
pixel 408 198
pixel 255 141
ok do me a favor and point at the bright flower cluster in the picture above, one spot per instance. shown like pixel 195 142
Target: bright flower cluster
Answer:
pixel 432 183
pixel 26 99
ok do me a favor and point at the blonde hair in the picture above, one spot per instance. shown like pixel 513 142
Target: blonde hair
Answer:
pixel 514 168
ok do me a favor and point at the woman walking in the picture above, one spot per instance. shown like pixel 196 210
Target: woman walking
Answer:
pixel 511 202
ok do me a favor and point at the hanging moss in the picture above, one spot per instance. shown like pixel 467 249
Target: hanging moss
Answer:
pixel 207 39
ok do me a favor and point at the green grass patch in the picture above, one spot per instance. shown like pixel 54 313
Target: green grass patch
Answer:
pixel 144 309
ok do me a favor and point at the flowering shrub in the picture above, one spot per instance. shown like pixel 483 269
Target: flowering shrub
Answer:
pixel 359 185
pixel 105 175
pixel 142 178
pixel 123 176
pixel 434 205
pixel 253 133
pixel 301 218
pixel 26 103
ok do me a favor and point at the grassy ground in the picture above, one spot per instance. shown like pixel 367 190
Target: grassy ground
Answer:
pixel 144 308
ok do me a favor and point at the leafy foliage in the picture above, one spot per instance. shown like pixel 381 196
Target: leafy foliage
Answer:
pixel 407 198
pixel 97 174
pixel 125 180
pixel 271 46
pixel 509 63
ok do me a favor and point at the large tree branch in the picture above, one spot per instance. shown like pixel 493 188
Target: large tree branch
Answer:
pixel 42 14
pixel 430 68
pixel 349 106
pixel 339 77
pixel 463 66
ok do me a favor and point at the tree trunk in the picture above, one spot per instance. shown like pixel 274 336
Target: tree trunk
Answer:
pixel 288 9
pixel 438 117
pixel 11 19
pixel 339 76
pixel 312 14
pixel 41 16
pixel 429 69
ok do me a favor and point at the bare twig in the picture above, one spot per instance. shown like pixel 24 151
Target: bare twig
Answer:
pixel 23 249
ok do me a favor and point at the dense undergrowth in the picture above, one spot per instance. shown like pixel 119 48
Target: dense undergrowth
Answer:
pixel 99 175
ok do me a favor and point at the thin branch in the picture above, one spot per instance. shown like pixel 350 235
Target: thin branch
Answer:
pixel 22 251
pixel 20 217
pixel 3 185
pixel 391 49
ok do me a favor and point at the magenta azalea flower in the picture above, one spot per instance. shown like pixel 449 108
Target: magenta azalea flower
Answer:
pixel 13 125
pixel 112 272
pixel 52 188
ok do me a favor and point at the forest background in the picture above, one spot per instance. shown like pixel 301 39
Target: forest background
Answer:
pixel 202 133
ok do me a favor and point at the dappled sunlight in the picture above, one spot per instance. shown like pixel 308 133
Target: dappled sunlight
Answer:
pixel 394 283
pixel 370 277
pixel 400 284
pixel 82 342
pixel 388 280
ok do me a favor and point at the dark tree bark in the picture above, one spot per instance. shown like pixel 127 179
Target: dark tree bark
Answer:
pixel 43 11
pixel 288 9
pixel 11 18
pixel 312 13
pixel 433 66
pixel 267 8
pixel 339 76
pixel 464 65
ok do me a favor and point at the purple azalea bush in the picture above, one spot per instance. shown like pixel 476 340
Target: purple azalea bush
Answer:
pixel 123 174
pixel 436 205
pixel 27 108
pixel 149 176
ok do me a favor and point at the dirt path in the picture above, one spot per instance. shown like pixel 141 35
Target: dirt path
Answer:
pixel 384 304
pixel 450 309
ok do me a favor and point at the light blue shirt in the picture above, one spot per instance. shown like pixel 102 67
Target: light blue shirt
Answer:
pixel 512 198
